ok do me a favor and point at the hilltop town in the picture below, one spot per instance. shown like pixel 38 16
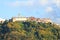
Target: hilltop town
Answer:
pixel 29 28
pixel 20 18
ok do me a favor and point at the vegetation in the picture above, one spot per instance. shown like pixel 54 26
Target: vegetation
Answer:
pixel 29 31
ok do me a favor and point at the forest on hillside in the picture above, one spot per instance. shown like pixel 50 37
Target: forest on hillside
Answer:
pixel 29 30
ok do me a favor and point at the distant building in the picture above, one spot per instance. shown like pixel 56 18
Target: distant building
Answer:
pixel 43 20
pixel 2 20
pixel 38 20
pixel 19 19
pixel 32 19
pixel 46 20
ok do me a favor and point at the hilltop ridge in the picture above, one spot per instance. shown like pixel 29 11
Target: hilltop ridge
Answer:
pixel 29 30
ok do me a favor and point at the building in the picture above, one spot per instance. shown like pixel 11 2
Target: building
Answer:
pixel 32 19
pixel 46 20
pixel 2 20
pixel 38 20
pixel 19 19
pixel 43 20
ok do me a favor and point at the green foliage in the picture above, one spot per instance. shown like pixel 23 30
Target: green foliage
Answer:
pixel 29 30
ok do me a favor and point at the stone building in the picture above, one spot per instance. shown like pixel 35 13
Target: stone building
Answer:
pixel 19 19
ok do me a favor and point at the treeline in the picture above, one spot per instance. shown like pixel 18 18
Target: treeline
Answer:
pixel 29 31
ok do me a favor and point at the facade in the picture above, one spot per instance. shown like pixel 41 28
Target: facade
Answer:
pixel 18 19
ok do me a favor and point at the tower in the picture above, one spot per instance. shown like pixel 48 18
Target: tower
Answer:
pixel 18 14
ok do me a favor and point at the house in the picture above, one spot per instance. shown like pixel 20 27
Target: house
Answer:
pixel 38 20
pixel 32 19
pixel 46 20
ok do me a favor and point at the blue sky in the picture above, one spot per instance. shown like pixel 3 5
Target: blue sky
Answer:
pixel 37 8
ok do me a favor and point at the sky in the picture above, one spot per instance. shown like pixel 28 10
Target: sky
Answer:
pixel 37 8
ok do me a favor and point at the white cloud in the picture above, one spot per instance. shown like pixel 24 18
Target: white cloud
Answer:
pixel 31 2
pixel 57 2
pixel 49 9
pixel 20 3
pixel 50 2
pixel 43 2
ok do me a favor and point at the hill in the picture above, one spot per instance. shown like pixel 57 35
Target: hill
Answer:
pixel 29 30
